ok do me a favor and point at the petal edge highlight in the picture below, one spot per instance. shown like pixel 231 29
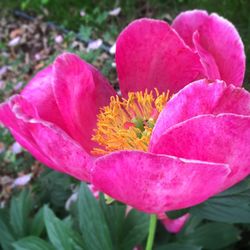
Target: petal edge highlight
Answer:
pixel 157 183
pixel 222 138
pixel 149 54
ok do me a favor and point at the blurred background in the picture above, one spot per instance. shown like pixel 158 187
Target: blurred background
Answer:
pixel 32 33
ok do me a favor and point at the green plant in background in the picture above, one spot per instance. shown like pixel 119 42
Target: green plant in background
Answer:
pixel 96 14
pixel 23 226
pixel 36 218
pixel 92 224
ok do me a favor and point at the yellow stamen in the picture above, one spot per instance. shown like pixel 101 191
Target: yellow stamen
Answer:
pixel 127 124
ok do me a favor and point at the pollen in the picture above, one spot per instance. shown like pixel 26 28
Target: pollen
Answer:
pixel 127 124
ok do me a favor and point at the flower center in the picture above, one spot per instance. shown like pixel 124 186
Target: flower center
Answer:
pixel 127 124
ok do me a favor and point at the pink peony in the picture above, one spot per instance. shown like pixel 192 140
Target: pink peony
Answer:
pixel 173 226
pixel 156 161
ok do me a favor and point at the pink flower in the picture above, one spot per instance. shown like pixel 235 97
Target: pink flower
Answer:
pixel 173 225
pixel 199 143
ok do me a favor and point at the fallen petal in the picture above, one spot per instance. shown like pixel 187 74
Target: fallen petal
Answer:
pixel 22 180
pixel 14 42
pixel 94 45
pixel 115 12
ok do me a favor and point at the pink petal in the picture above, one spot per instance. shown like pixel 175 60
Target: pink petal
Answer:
pixel 94 45
pixel 22 180
pixel 14 42
pixel 19 129
pixel 44 140
pixel 80 91
pixel 210 66
pixel 173 226
pixel 157 183
pixel 30 145
pixel 59 39
pixel 66 154
pixel 150 54
pixel 220 38
pixel 39 92
pixel 201 97
pixel 217 38
pixel 16 148
pixel 187 23
pixel 223 138
pixel 115 12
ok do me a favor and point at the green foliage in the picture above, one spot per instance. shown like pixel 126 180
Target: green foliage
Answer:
pixel 231 206
pixel 128 230
pixel 7 236
pixel 178 213
pixel 92 222
pixel 20 208
pixel 19 220
pixel 32 242
pixel 108 226
pixel 53 188
pixel 178 246
pixel 212 236
pixel 37 219
pixel 37 224
pixel 136 229
pixel 85 32
pixel 95 225
pixel 200 234
pixel 60 234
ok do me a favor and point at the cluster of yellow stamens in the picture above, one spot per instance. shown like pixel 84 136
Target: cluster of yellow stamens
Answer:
pixel 126 124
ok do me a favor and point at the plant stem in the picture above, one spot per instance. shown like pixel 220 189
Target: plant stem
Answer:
pixel 151 232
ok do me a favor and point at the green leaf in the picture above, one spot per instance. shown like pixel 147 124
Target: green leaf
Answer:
pixel 6 235
pixel 190 226
pixel 243 186
pixel 135 229
pixel 32 242
pixel 61 236
pixel 177 213
pixel 213 236
pixel 126 231
pixel 85 33
pixel 101 17
pixel 37 225
pixel 115 216
pixel 20 208
pixel 44 2
pixel 231 206
pixel 92 223
pixel 53 188
pixel 178 246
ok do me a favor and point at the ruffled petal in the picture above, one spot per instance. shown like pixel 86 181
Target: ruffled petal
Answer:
pixel 223 138
pixel 188 22
pixel 44 140
pixel 157 183
pixel 217 41
pixel 211 69
pixel 201 97
pixel 80 92
pixel 39 92
pixel 173 225
pixel 150 54
pixel 21 132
